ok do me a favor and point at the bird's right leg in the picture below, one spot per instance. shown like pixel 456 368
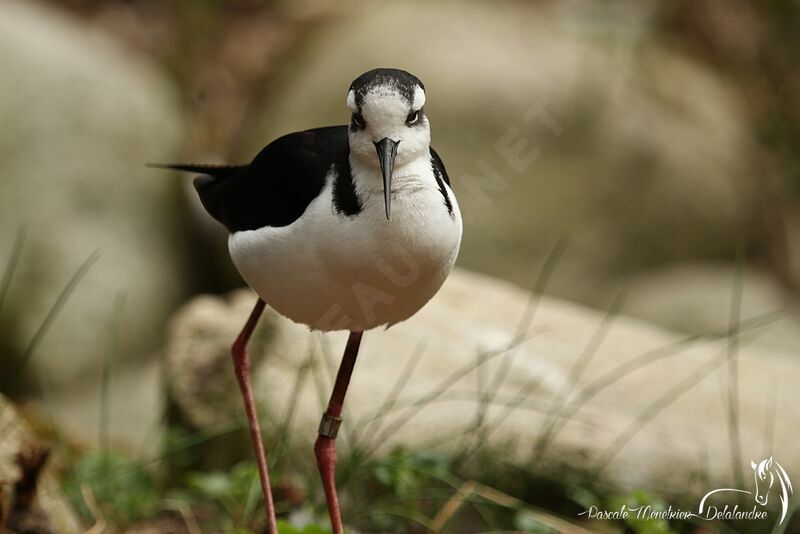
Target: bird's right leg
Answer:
pixel 241 364
pixel 325 446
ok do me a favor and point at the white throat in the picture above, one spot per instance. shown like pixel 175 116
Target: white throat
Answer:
pixel 368 180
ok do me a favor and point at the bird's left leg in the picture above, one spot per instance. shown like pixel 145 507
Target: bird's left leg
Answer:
pixel 325 447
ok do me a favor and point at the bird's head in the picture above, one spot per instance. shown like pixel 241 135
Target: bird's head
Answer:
pixel 388 128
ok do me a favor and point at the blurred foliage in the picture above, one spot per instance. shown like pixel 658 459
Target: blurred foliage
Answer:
pixel 404 492
pixel 528 524
pixel 646 525
pixel 286 528
pixel 232 489
pixel 404 472
pixel 124 490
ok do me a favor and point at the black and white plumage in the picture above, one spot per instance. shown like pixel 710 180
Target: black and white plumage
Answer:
pixel 324 232
pixel 339 228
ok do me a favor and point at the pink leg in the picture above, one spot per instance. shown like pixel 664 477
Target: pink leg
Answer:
pixel 241 364
pixel 325 447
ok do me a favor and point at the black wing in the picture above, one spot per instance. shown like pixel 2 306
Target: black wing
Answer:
pixel 438 166
pixel 277 186
pixel 441 178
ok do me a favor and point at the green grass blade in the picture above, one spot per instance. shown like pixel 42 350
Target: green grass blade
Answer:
pixel 11 266
pixel 575 374
pixel 59 303
pixel 391 398
pixel 105 383
pixel 733 372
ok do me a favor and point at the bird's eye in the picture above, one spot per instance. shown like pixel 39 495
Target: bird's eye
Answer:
pixel 412 118
pixel 358 120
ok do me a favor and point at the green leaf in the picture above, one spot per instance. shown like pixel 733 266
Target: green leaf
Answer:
pixel 214 485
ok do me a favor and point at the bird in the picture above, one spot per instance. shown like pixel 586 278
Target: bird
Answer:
pixel 350 227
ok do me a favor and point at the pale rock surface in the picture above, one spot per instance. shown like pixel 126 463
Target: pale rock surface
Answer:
pixel 476 315
pixel 698 297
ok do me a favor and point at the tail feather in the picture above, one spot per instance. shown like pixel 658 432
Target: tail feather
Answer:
pixel 210 183
pixel 210 169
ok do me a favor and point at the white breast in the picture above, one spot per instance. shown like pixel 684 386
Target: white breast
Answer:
pixel 337 272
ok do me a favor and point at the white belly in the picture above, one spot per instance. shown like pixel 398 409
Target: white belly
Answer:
pixel 334 272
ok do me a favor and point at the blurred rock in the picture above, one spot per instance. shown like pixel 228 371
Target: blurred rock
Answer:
pixel 697 299
pixel 81 116
pixel 198 354
pixel 16 437
pixel 473 319
pixel 551 118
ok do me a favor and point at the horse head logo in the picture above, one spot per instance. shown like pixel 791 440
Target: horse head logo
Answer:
pixel 764 479
pixel 766 472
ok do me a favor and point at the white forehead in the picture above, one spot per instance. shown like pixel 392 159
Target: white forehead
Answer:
pixel 388 100
pixel 384 106
pixel 419 98
pixel 351 101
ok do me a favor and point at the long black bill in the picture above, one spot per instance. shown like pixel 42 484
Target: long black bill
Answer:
pixel 387 150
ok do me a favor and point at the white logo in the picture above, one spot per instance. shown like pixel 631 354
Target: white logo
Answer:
pixel 765 473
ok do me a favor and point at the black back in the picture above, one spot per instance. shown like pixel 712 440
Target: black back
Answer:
pixel 276 188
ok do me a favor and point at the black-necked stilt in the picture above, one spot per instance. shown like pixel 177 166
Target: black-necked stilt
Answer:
pixel 339 228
